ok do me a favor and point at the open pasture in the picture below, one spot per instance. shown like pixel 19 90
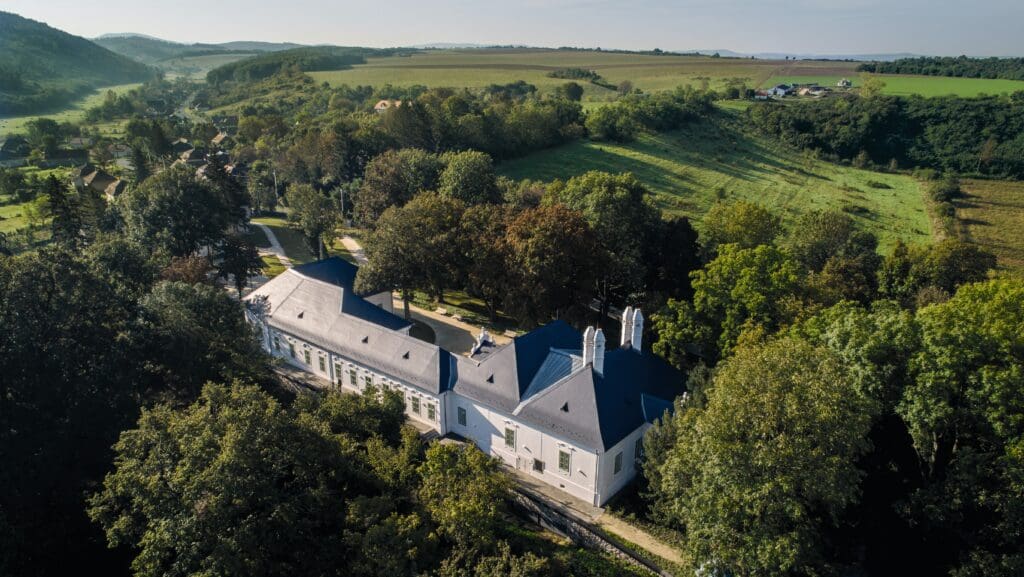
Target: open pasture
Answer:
pixel 690 169
pixel 899 85
pixel 991 215
pixel 74 113
pixel 482 67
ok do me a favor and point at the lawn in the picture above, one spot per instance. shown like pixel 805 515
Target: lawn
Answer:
pixel 291 240
pixel 74 113
pixel 478 68
pixel 992 216
pixel 690 169
pixel 196 67
pixel 272 266
pixel 900 85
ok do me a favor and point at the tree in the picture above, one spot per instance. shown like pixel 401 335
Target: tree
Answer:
pixel 743 223
pixel 191 334
pixel 238 259
pixel 571 91
pixel 619 211
pixel 464 491
pixel 758 476
pixel 742 289
pixel 553 262
pixel 963 408
pixel 316 215
pixel 843 261
pixel 392 179
pixel 468 176
pixel 65 214
pixel 201 489
pixel 175 212
pixel 261 188
pixel 415 246
pixel 486 272
pixel 672 253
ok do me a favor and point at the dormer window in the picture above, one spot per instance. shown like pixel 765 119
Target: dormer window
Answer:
pixel 490 379
pixel 565 407
pixel 366 340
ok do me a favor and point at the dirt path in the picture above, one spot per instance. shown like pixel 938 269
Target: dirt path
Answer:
pixel 638 537
pixel 275 246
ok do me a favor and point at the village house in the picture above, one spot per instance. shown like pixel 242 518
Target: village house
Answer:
pixel 88 177
pixel 780 90
pixel 180 146
pixel 553 403
pixel 844 83
pixel 385 105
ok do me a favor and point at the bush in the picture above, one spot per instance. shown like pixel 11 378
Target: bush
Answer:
pixel 945 190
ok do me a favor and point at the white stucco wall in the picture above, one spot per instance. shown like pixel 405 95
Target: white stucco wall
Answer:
pixel 486 428
pixel 609 482
pixel 384 300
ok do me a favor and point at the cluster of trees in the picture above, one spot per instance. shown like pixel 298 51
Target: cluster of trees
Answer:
pixel 845 411
pixel 536 252
pixel 239 483
pixel 627 117
pixel 960 67
pixel 963 135
pixel 304 59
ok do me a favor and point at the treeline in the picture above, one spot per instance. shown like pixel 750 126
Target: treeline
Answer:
pixel 958 67
pixel 624 119
pixel 303 59
pixel 850 409
pixel 982 136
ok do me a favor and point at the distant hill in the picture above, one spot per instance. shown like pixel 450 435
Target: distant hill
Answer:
pixel 150 50
pixel 306 59
pixel 43 68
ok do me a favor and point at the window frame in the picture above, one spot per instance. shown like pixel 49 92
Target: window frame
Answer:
pixel 415 404
pixel 510 432
pixel 431 412
pixel 461 416
pixel 307 357
pixel 617 465
pixel 568 461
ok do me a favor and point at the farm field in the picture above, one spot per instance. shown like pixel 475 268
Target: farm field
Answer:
pixel 477 68
pixel 690 169
pixel 992 216
pixel 928 86
pixel 196 67
pixel 74 113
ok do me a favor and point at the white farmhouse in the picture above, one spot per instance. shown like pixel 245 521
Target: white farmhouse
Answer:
pixel 553 403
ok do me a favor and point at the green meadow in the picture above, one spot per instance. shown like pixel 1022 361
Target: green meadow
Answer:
pixel 75 113
pixel 991 215
pixel 478 68
pixel 691 169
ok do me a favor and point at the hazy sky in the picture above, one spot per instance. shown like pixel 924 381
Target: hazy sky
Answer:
pixel 946 27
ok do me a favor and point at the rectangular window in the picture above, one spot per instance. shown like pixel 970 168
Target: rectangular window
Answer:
pixel 538 465
pixel 431 412
pixel 368 381
pixel 618 463
pixel 323 364
pixel 510 438
pixel 291 349
pixel 564 461
pixel 337 373
pixel 305 357
pixel 416 405
pixel 461 413
pixel 638 449
pixel 277 343
pixel 352 377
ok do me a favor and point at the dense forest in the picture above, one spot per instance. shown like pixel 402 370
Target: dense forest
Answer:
pixel 305 59
pixel 43 68
pixel 960 67
pixel 983 136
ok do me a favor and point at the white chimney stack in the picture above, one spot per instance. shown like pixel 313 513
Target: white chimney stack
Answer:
pixel 588 345
pixel 638 330
pixel 627 326
pixel 599 352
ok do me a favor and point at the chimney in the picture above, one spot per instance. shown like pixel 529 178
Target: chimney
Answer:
pixel 599 352
pixel 627 326
pixel 588 345
pixel 638 330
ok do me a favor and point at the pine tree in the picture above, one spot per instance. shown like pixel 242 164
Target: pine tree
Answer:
pixel 66 217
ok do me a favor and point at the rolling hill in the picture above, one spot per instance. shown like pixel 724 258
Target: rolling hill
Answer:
pixel 43 68
pixel 150 50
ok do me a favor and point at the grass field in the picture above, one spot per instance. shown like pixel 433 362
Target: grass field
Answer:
pixel 992 216
pixel 928 86
pixel 691 169
pixel 74 113
pixel 196 67
pixel 477 68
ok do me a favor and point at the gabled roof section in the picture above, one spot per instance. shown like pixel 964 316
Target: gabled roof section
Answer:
pixel 341 273
pixel 635 388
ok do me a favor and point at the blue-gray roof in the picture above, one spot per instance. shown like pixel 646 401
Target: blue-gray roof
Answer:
pixel 339 272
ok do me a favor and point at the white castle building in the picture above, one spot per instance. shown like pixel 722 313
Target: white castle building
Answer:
pixel 553 403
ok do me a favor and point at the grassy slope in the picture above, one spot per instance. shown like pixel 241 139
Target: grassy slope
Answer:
pixel 75 112
pixel 689 170
pixel 992 215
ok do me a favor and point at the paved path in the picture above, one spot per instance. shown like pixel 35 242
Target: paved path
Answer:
pixel 353 246
pixel 275 246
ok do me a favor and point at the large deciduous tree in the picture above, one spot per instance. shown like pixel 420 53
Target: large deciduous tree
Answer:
pixel 743 223
pixel 759 475
pixel 392 179
pixel 315 214
pixel 469 176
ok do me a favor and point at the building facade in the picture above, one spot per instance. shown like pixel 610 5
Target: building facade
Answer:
pixel 553 403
